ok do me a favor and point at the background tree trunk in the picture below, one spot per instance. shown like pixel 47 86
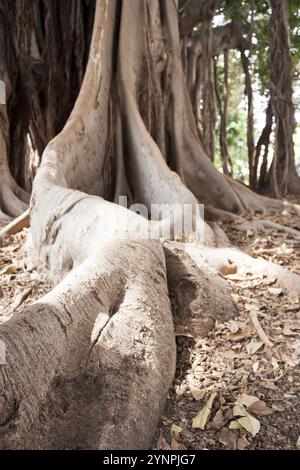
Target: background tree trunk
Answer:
pixel 282 176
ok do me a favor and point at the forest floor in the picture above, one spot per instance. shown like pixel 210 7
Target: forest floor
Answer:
pixel 244 394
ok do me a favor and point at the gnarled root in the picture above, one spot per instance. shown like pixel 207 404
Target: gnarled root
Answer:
pixel 220 259
pixel 198 296
pixel 267 225
pixel 108 330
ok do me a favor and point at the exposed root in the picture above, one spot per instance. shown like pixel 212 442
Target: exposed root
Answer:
pixel 259 330
pixel 98 351
pixel 198 296
pixel 260 203
pixel 104 379
pixel 10 202
pixel 16 225
pixel 267 225
pixel 214 214
pixel 219 258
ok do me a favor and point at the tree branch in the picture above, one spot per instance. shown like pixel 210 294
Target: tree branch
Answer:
pixel 197 11
pixel 225 37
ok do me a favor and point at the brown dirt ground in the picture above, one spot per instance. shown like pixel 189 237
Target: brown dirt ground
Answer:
pixel 231 362
pixel 18 277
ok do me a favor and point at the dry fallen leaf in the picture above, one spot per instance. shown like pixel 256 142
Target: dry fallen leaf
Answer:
pixel 198 394
pixel 260 408
pixel 274 363
pixel 202 417
pixel 228 438
pixel 19 299
pixel 275 290
pixel 227 269
pixel 229 354
pixel 177 445
pixel 235 425
pixel 253 346
pixel 247 421
pixel 277 407
pixel 11 269
pixel 255 366
pixel 269 384
pixel 233 326
pixel 298 443
pixel 247 400
pixel 175 431
pixel 287 331
pixel 162 444
pixel 219 419
pixel 242 443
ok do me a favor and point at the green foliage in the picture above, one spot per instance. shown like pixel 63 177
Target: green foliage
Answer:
pixel 253 16
pixel 236 141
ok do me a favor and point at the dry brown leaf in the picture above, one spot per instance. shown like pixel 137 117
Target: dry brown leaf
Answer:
pixel 269 384
pixel 202 417
pixel 198 394
pixel 253 346
pixel 228 269
pixel 247 400
pixel 277 407
pixel 260 408
pixel 275 290
pixel 228 438
pixel 162 444
pixel 251 424
pixel 177 445
pixel 247 331
pixel 235 425
pixel 242 443
pixel 219 419
pixel 229 354
pixel 175 431
pixel 19 299
pixel 233 326
pixel 11 269
pixel 287 331
pixel 274 363
pixel 246 420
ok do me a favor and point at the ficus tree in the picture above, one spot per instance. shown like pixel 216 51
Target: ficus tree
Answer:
pixel 89 365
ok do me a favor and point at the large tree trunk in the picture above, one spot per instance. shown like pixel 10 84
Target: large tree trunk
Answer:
pixel 90 364
pixel 282 176
pixel 44 50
